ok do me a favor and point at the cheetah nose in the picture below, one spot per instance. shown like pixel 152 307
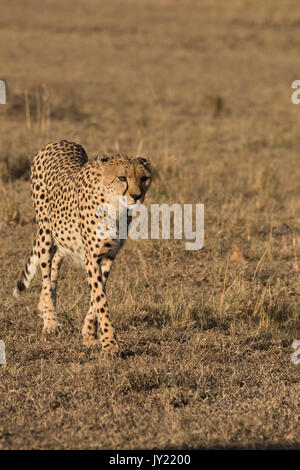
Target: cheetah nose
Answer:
pixel 136 197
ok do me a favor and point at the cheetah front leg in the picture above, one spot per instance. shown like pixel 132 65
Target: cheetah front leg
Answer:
pixel 89 331
pixel 97 318
pixel 105 267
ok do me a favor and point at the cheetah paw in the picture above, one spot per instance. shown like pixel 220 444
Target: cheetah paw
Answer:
pixel 52 327
pixel 111 351
pixel 89 342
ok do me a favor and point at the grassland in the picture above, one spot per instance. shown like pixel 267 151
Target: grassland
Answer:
pixel 204 89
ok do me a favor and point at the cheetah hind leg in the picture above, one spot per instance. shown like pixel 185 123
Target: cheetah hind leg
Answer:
pixel 55 267
pixel 47 299
pixel 50 319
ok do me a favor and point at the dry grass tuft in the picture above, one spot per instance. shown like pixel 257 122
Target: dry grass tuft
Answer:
pixel 206 336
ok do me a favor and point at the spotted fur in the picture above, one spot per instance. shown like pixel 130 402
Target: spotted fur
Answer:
pixel 67 191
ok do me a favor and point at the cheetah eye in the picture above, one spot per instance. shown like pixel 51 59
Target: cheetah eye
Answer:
pixel 122 178
pixel 144 179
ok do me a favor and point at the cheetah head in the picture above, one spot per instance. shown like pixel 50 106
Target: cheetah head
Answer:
pixel 126 176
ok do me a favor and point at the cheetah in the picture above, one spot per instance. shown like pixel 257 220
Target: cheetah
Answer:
pixel 67 190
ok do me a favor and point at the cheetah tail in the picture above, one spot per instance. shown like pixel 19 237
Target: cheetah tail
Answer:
pixel 27 274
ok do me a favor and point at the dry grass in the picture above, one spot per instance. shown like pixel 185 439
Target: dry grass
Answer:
pixel 204 89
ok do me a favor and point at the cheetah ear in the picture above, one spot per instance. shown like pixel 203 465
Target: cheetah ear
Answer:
pixel 145 162
pixel 103 158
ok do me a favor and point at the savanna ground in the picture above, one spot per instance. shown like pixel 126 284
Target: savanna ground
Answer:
pixel 204 89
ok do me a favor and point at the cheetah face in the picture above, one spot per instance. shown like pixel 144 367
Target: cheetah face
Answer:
pixel 129 177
